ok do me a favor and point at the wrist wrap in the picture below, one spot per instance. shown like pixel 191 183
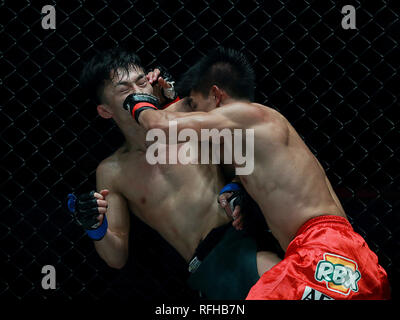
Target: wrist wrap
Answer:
pixel 137 102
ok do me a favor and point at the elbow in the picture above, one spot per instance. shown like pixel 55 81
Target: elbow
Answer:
pixel 118 265
pixel 116 254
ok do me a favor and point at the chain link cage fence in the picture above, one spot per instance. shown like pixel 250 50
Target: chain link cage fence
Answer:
pixel 338 87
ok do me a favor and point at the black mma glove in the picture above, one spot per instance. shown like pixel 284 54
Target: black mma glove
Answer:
pixel 137 102
pixel 85 210
pixel 239 195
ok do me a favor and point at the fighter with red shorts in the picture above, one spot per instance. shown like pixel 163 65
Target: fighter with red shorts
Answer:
pixel 325 258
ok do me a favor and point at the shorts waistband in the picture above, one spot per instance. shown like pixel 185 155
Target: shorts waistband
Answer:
pixel 323 219
pixel 206 246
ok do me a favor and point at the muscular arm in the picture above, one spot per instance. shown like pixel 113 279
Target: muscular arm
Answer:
pixel 234 116
pixel 113 248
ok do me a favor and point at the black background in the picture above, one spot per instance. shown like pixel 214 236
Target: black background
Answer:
pixel 339 88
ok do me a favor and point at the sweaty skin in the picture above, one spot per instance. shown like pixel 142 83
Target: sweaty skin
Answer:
pixel 288 182
pixel 178 201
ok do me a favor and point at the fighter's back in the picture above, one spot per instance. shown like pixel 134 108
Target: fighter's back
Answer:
pixel 288 182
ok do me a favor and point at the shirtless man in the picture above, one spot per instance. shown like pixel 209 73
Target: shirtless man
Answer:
pixel 179 201
pixel 324 257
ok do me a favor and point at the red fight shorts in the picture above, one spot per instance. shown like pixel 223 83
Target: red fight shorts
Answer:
pixel 326 260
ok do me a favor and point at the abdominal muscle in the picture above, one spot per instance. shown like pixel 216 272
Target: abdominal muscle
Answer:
pixel 183 225
pixel 179 202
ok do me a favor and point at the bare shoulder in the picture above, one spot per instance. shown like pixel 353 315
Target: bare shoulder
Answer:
pixel 257 113
pixel 269 114
pixel 274 123
pixel 244 112
pixel 108 170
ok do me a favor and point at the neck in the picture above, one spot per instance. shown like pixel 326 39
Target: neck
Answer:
pixel 229 100
pixel 135 136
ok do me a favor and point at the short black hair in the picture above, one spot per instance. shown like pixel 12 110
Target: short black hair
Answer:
pixel 98 69
pixel 227 68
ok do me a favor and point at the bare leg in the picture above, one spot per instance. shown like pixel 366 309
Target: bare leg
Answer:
pixel 265 261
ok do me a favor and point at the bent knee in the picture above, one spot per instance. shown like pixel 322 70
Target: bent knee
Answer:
pixel 265 261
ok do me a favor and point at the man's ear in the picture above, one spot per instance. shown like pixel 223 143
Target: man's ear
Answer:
pixel 104 111
pixel 217 95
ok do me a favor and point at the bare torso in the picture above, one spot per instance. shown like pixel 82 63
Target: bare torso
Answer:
pixel 288 182
pixel 178 201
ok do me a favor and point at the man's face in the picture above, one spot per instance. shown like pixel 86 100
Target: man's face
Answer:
pixel 122 85
pixel 198 102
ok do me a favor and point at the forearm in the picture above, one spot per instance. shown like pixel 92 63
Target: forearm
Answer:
pixel 160 119
pixel 152 119
pixel 113 249
pixel 113 246
pixel 144 109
